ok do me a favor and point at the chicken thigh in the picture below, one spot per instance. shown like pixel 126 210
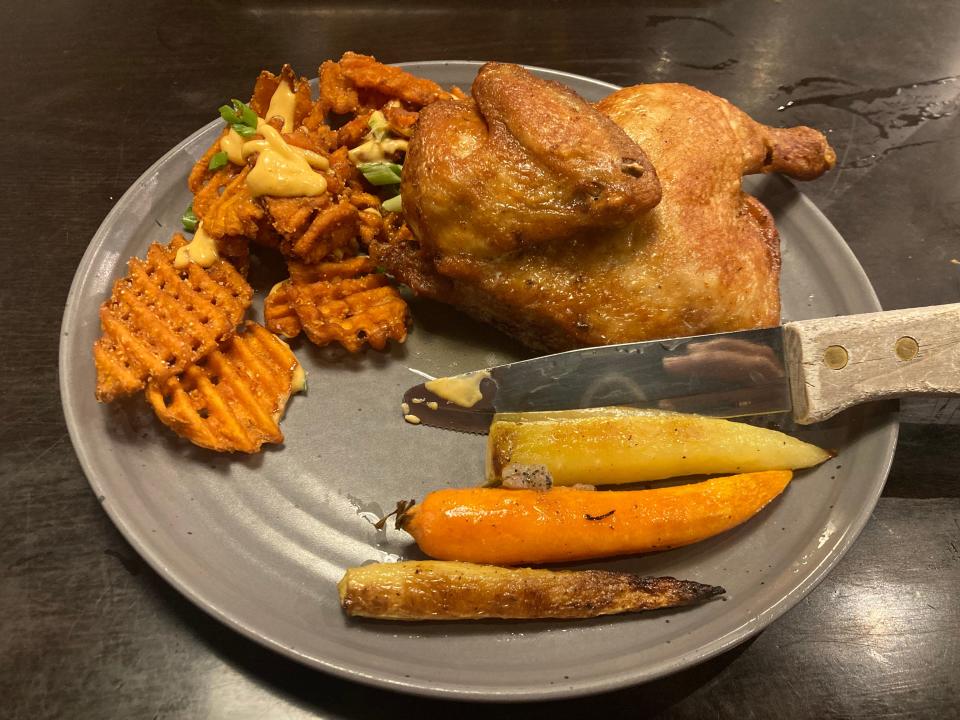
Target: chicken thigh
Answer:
pixel 705 259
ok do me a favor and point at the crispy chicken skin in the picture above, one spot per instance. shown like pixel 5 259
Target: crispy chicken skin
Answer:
pixel 705 259
pixel 526 162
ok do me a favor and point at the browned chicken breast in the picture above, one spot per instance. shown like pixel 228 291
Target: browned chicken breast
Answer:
pixel 705 259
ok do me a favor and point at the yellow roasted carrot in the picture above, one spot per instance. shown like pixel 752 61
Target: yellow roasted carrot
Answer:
pixel 609 446
pixel 512 527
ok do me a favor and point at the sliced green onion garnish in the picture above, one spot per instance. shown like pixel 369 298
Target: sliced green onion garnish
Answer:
pixel 189 220
pixel 247 113
pixel 381 173
pixel 218 160
pixel 229 115
pixel 245 131
pixel 394 204
pixel 240 117
pixel 378 124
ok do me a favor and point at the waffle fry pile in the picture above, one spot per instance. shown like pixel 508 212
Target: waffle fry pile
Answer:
pixel 316 180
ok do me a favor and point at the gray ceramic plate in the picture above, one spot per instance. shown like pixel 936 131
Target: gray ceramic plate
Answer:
pixel 260 542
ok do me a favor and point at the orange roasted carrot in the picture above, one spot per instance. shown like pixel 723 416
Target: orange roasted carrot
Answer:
pixel 512 527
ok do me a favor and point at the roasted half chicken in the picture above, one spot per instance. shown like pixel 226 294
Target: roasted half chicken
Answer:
pixel 529 209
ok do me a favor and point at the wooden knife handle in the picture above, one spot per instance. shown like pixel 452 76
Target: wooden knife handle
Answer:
pixel 834 363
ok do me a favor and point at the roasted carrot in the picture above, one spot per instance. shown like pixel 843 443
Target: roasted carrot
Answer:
pixel 511 527
pixel 438 590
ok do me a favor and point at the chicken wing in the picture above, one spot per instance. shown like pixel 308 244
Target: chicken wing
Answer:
pixel 526 162
pixel 705 259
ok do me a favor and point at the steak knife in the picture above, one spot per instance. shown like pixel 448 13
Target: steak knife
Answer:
pixel 812 369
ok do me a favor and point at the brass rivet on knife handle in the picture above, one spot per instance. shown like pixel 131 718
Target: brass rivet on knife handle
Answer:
pixel 925 358
pixel 835 357
pixel 906 348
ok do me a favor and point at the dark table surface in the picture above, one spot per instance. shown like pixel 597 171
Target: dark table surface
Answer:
pixel 94 92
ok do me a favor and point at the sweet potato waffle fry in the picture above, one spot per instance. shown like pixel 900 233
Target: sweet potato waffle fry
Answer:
pixel 351 133
pixel 337 94
pixel 312 230
pixel 231 400
pixel 371 221
pixel 214 181
pixel 365 310
pixel 345 302
pixel 159 319
pixel 366 74
pixel 279 314
pixel 400 120
pixel 233 211
pixel 267 84
pixel 236 251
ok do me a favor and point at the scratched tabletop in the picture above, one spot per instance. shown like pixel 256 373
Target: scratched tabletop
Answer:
pixel 94 92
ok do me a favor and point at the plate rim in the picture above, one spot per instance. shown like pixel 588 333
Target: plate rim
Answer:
pixel 139 540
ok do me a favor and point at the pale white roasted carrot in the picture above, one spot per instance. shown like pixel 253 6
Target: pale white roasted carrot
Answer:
pixel 439 590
